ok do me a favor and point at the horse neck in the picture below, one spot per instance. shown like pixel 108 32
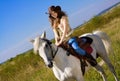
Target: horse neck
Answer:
pixel 60 55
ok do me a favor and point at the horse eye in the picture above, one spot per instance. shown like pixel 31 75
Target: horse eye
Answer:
pixel 46 46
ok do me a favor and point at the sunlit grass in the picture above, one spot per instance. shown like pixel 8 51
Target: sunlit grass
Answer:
pixel 113 30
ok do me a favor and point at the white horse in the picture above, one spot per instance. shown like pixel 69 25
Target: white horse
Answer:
pixel 68 68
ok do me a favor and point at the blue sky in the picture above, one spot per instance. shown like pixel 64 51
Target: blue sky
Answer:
pixel 21 20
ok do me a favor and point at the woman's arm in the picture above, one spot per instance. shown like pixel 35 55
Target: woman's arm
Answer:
pixel 56 35
pixel 64 23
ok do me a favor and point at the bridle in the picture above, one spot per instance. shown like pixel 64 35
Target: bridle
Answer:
pixel 51 48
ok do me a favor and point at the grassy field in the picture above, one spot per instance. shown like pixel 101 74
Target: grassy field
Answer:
pixel 30 67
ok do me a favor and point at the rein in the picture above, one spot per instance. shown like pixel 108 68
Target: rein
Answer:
pixel 53 53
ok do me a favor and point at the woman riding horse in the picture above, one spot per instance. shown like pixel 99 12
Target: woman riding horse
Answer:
pixel 63 32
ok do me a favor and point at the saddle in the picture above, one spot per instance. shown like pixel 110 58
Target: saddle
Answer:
pixel 84 43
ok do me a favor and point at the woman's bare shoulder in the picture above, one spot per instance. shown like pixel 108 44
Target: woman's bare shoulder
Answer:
pixel 64 18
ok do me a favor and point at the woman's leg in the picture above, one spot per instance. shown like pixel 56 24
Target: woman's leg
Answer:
pixel 72 42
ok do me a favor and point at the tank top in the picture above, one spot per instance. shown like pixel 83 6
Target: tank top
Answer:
pixel 64 22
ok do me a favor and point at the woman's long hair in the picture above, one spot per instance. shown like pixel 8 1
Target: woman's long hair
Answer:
pixel 55 21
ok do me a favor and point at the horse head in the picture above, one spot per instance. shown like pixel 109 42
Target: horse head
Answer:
pixel 43 47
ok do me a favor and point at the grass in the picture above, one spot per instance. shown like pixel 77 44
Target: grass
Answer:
pixel 30 67
pixel 113 30
pixel 25 67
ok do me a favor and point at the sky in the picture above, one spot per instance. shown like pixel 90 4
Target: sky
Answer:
pixel 22 20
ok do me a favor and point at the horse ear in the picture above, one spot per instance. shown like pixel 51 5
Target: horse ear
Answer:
pixel 43 35
pixel 31 40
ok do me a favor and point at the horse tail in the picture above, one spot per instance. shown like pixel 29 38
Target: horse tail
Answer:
pixel 106 41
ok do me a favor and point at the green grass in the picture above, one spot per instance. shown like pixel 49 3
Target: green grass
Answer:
pixel 113 30
pixel 30 67
pixel 25 67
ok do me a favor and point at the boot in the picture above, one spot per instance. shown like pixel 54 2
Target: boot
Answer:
pixel 90 59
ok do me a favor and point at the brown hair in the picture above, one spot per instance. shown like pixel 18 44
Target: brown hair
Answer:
pixel 55 21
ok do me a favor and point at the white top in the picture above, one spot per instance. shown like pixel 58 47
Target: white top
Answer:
pixel 63 30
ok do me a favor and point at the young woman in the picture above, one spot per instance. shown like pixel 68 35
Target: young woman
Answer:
pixel 59 24
pixel 62 31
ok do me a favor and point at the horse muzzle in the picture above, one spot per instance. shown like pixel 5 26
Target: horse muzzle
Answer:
pixel 50 64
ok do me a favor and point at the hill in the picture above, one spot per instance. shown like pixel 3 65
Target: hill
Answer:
pixel 30 67
pixel 108 9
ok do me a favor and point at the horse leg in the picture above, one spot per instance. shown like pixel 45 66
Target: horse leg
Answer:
pixel 58 74
pixel 61 76
pixel 79 77
pixel 101 71
pixel 111 67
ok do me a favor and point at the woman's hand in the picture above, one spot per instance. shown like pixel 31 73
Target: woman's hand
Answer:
pixel 58 43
